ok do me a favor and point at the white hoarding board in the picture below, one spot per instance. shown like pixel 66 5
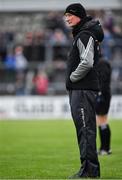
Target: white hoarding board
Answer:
pixel 115 111
pixel 45 107
pixel 34 107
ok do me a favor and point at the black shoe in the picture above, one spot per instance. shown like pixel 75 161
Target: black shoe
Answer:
pixel 88 170
pixel 84 175
pixel 80 174
pixel 103 152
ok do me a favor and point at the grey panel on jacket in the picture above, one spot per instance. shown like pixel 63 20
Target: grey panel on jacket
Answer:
pixel 86 60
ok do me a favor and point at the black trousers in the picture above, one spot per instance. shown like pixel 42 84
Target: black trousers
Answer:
pixel 82 103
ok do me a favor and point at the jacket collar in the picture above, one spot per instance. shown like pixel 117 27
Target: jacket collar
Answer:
pixel 81 25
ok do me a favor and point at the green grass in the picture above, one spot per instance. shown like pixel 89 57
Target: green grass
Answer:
pixel 48 150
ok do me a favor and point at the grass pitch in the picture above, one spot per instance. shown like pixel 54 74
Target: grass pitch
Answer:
pixel 48 150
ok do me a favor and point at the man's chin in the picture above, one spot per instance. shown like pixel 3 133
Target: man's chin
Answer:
pixel 71 25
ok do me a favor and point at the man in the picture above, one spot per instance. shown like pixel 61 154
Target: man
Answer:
pixel 82 84
pixel 102 106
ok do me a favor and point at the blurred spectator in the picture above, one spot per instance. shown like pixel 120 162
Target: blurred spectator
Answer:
pixel 59 43
pixel 111 25
pixel 28 39
pixel 54 21
pixel 58 37
pixel 3 46
pixel 21 62
pixel 28 45
pixel 109 20
pixel 39 47
pixel 29 82
pixel 9 61
pixel 107 44
pixel 40 83
pixel 20 83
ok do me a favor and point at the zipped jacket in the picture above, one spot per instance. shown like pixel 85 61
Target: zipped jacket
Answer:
pixel 84 54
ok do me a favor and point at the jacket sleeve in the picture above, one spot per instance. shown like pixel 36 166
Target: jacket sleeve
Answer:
pixel 86 55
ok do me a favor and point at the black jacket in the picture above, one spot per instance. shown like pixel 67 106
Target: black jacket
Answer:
pixel 82 59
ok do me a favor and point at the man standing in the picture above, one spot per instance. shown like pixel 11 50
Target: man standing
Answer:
pixel 103 100
pixel 82 84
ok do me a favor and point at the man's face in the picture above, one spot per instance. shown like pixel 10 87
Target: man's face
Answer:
pixel 71 19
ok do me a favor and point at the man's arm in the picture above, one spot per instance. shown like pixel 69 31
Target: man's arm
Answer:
pixel 86 60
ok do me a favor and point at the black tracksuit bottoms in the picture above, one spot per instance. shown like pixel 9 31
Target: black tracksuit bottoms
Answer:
pixel 82 103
